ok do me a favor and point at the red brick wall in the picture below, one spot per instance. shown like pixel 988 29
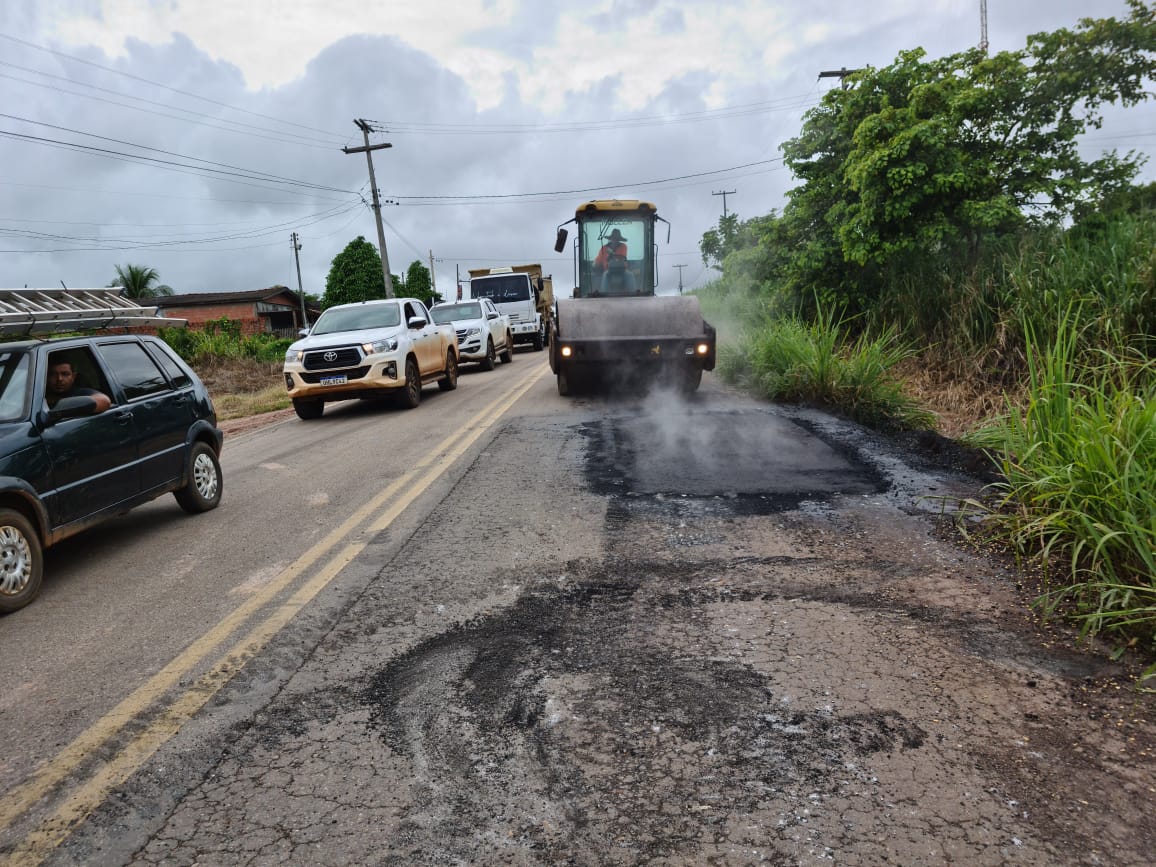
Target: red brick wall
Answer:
pixel 199 314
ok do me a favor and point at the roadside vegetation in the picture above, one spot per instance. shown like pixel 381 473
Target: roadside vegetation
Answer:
pixel 949 258
pixel 242 372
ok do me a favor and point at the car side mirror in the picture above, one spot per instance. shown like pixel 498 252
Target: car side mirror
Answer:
pixel 560 243
pixel 71 407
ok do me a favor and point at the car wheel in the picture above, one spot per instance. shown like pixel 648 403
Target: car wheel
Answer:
pixel 21 561
pixel 411 394
pixel 202 491
pixel 540 339
pixel 489 361
pixel 308 409
pixel 450 381
pixel 507 354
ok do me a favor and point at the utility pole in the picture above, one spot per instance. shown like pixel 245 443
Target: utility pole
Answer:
pixel 364 126
pixel 840 74
pixel 724 194
pixel 300 291
pixel 679 267
pixel 458 279
pixel 983 26
pixel 433 283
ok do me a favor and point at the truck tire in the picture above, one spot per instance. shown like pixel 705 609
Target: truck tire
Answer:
pixel 490 361
pixel 308 409
pixel 202 491
pixel 410 396
pixel 540 339
pixel 450 381
pixel 507 354
pixel 21 561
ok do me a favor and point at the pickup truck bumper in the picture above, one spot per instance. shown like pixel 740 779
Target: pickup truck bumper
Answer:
pixel 370 376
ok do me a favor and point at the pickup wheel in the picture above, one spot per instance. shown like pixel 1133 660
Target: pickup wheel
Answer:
pixel 308 409
pixel 507 354
pixel 490 361
pixel 21 561
pixel 410 396
pixel 202 491
pixel 450 381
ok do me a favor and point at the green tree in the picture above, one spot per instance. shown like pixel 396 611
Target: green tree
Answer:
pixel 926 157
pixel 418 283
pixel 354 275
pixel 718 242
pixel 137 281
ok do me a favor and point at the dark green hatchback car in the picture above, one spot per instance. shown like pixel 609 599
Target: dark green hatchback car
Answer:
pixel 135 423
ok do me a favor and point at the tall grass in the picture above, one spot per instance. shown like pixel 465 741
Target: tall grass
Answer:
pixel 1080 492
pixel 979 313
pixel 818 363
pixel 222 339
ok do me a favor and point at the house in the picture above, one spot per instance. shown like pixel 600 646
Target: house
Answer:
pixel 276 310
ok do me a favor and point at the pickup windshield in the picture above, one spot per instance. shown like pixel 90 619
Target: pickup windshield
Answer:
pixel 355 318
pixel 455 312
pixel 511 287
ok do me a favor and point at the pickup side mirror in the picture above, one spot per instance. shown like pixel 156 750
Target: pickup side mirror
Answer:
pixel 560 243
pixel 304 332
pixel 71 407
pixel 491 315
pixel 416 322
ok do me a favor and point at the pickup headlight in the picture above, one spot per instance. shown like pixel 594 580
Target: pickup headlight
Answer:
pixel 389 344
pixel 292 355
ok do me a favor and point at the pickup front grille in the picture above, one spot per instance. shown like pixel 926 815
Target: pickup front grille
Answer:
pixel 461 334
pixel 329 359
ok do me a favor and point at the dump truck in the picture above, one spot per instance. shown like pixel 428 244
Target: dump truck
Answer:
pixel 615 330
pixel 524 294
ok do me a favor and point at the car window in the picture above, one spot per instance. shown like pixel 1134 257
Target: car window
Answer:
pixel 13 385
pixel 88 372
pixel 136 372
pixel 176 374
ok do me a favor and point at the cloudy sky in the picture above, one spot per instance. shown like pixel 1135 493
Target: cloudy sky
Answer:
pixel 195 136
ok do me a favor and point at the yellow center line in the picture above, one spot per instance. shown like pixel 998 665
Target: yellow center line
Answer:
pixel 92 792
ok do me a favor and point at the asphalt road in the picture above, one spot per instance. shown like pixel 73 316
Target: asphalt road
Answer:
pixel 512 628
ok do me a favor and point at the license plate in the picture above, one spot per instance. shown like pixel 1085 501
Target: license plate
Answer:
pixel 333 380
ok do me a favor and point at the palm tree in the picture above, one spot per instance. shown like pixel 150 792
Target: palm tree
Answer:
pixel 136 281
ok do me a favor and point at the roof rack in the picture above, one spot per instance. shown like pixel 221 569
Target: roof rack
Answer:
pixel 30 312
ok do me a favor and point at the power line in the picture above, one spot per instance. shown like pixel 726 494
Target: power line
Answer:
pixel 143 80
pixel 252 174
pixel 245 128
pixel 572 192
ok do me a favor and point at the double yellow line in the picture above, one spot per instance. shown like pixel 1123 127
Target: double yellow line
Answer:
pixel 168 719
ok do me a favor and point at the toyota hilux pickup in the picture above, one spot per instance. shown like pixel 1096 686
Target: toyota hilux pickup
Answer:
pixel 383 348
pixel 484 332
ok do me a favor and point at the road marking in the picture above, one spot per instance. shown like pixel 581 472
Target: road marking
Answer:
pixel 82 801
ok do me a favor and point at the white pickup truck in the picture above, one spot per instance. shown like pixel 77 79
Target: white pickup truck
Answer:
pixel 484 333
pixel 370 349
